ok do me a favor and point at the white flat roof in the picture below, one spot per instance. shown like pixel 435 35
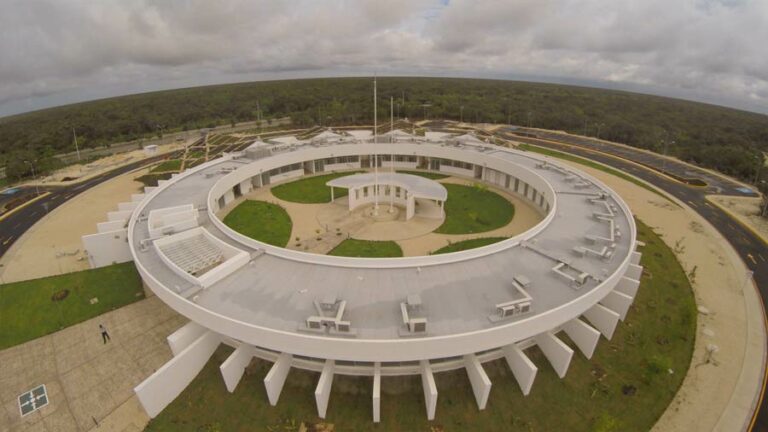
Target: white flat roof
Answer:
pixel 420 187
pixel 278 293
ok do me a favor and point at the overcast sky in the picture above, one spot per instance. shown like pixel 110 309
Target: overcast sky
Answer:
pixel 60 51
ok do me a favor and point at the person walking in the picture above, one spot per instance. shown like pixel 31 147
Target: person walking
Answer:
pixel 104 335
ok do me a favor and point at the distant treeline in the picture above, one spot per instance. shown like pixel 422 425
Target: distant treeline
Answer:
pixel 716 137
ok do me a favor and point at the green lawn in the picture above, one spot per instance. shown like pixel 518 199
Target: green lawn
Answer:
pixel 27 310
pixel 468 244
pixel 592 164
pixel 169 165
pixel 474 209
pixel 310 190
pixel 367 248
pixel 429 175
pixel 626 385
pixel 261 221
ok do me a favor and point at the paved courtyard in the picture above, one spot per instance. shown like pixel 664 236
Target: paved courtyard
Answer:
pixel 89 383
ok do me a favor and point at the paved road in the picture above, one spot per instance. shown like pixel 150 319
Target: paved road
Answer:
pixel 751 248
pixel 13 226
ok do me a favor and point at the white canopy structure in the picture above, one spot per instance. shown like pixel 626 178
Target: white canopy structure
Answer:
pixel 406 188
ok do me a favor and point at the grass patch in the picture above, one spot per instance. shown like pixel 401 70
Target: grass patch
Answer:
pixel 28 309
pixel 367 249
pixel 172 165
pixel 468 244
pixel 261 221
pixel 153 179
pixel 474 209
pixel 429 175
pixel 310 190
pixel 592 164
pixel 626 385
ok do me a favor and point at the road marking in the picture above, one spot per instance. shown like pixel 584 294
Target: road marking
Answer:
pixel 66 197
pixel 752 258
pixel 761 257
pixel 692 204
pixel 8 240
pixel 17 226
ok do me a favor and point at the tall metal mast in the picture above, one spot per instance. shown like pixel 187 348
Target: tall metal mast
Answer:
pixel 392 155
pixel 375 154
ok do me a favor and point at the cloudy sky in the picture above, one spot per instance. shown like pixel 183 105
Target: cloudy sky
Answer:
pixel 60 51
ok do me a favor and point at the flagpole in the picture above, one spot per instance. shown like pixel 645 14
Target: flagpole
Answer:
pixel 375 154
pixel 392 156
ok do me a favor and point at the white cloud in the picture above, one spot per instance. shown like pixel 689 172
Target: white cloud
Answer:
pixel 55 51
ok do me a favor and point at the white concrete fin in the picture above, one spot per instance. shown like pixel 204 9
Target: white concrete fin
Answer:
pixel 636 258
pixel 604 319
pixel 137 197
pixel 276 376
pixel 583 335
pixel 617 302
pixel 628 286
pixel 522 367
pixel 163 386
pixel 323 389
pixel 430 389
pixel 377 392
pixel 556 351
pixel 183 337
pixel 634 271
pixel 127 206
pixel 103 227
pixel 234 366
pixel 481 384
pixel 119 215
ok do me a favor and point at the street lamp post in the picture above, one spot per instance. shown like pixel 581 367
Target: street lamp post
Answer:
pixel 599 125
pixel 664 159
pixel 34 176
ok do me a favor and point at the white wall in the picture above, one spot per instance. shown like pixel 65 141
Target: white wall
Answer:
pixel 276 376
pixel 184 336
pixel 556 351
pixel 107 248
pixel 323 389
pixel 103 227
pixel 481 384
pixel 119 215
pixel 617 302
pixel 634 271
pixel 628 286
pixel 584 336
pixel 430 389
pixel 522 367
pixel 604 319
pixel 376 397
pixel 163 386
pixel 233 367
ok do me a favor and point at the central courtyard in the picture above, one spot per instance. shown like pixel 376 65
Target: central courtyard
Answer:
pixel 320 219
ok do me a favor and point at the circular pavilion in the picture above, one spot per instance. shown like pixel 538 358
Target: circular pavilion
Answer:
pixel 576 272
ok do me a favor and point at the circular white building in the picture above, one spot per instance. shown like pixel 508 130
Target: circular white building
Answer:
pixel 576 271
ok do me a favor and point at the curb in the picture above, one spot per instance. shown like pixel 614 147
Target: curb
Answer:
pixel 39 197
pixel 735 217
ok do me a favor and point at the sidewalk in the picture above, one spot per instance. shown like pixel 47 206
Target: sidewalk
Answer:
pixel 89 383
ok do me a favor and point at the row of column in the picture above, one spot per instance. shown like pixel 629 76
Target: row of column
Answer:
pixel 193 345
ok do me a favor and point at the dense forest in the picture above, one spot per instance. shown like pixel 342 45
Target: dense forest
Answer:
pixel 726 139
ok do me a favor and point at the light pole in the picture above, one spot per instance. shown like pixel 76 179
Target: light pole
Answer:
pixel 599 125
pixel 664 159
pixel 34 176
pixel 530 115
pixel 461 114
pixel 759 168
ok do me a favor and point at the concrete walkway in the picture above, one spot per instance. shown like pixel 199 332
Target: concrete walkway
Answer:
pixel 89 383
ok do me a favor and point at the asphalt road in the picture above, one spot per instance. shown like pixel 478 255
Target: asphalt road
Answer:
pixel 13 226
pixel 751 248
